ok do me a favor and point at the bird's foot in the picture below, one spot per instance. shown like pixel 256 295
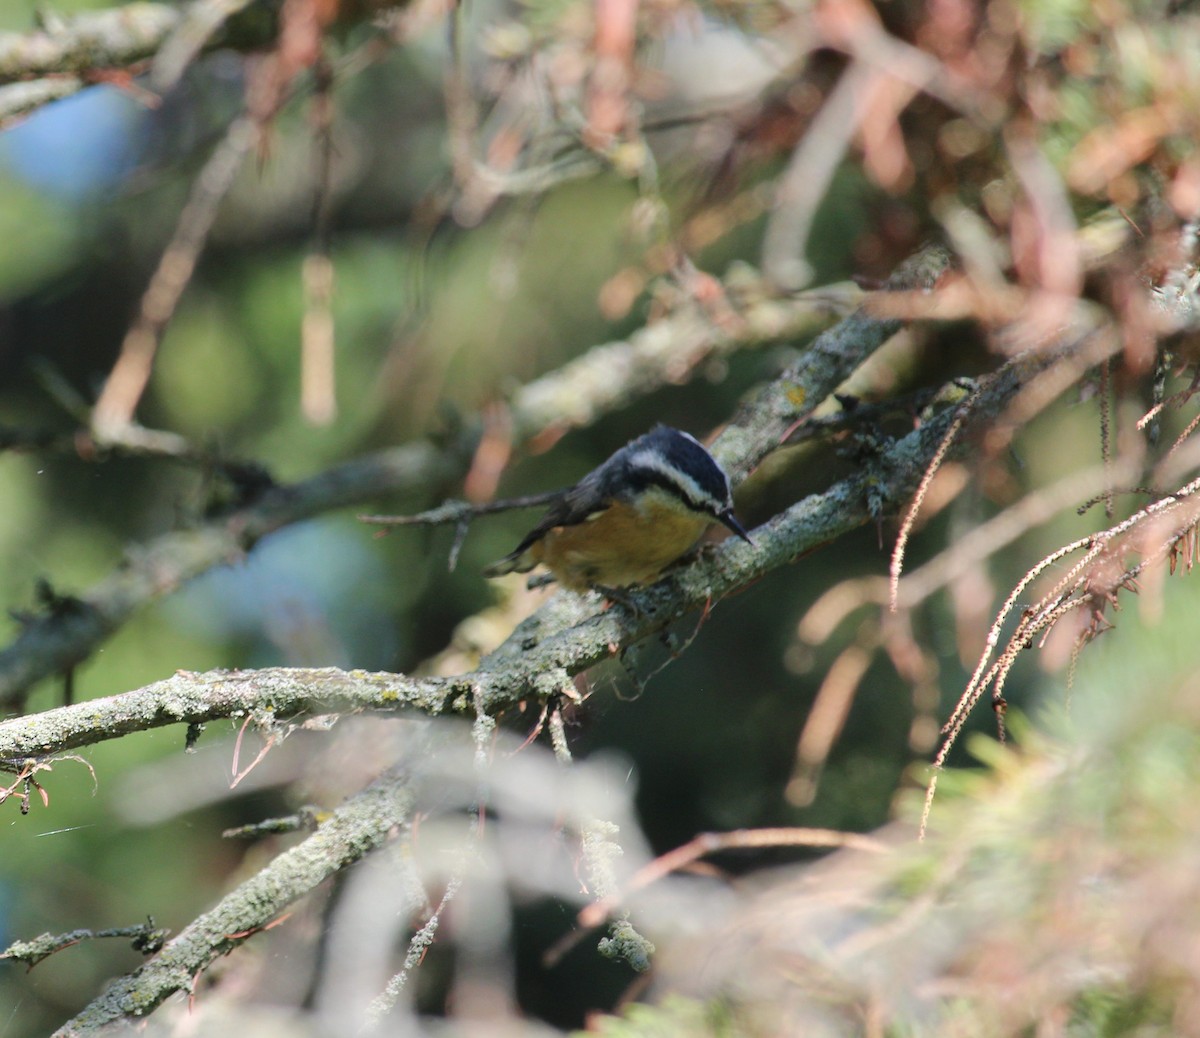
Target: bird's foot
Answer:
pixel 623 597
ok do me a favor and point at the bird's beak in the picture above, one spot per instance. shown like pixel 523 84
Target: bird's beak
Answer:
pixel 727 518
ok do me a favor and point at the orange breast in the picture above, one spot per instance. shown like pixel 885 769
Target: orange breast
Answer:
pixel 618 547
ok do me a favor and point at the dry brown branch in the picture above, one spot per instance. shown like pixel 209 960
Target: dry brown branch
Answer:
pixel 318 385
pixel 910 515
pixel 705 844
pixel 827 717
pixel 991 537
pixel 806 180
pixel 1153 534
pixel 114 411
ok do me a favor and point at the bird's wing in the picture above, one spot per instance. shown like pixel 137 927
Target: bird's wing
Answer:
pixel 587 497
pixel 575 506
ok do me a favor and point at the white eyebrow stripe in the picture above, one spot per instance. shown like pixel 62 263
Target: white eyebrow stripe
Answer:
pixel 649 460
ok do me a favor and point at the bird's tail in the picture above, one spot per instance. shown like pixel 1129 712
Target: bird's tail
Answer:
pixel 514 562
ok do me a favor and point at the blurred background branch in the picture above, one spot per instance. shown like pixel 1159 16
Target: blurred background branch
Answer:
pixel 73 627
pixel 67 53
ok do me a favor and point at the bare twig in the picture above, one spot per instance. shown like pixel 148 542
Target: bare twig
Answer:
pixel 458 511
pixel 113 415
pixel 713 843
pixel 1094 581
pixel 418 945
pixel 147 938
pixel 914 506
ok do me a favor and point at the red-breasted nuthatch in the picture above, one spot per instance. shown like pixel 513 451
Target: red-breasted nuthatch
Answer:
pixel 629 519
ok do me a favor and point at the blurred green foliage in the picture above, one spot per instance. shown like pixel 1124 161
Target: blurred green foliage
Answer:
pixel 19 15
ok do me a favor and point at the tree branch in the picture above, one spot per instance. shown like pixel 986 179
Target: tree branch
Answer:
pixel 19 99
pixel 662 353
pixel 75 626
pixel 765 422
pixel 119 37
pixel 538 659
pixel 53 643
pixel 363 823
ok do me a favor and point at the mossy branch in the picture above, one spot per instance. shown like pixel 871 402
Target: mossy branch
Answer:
pixel 564 638
pixel 363 823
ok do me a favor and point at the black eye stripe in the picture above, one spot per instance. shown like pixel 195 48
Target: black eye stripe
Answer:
pixel 641 478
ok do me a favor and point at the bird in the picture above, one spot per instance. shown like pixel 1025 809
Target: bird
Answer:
pixel 629 519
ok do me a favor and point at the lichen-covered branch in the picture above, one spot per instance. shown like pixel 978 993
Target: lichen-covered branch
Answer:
pixel 19 99
pixel 188 698
pixel 118 37
pixel 537 660
pixel 834 354
pixel 359 826
pixel 665 352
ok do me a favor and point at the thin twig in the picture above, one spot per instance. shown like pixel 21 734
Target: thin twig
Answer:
pixel 113 414
pixel 318 387
pixel 1087 585
pixel 455 511
pixel 1105 391
pixel 962 413
pixel 147 938
pixel 418 945
pixel 594 914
